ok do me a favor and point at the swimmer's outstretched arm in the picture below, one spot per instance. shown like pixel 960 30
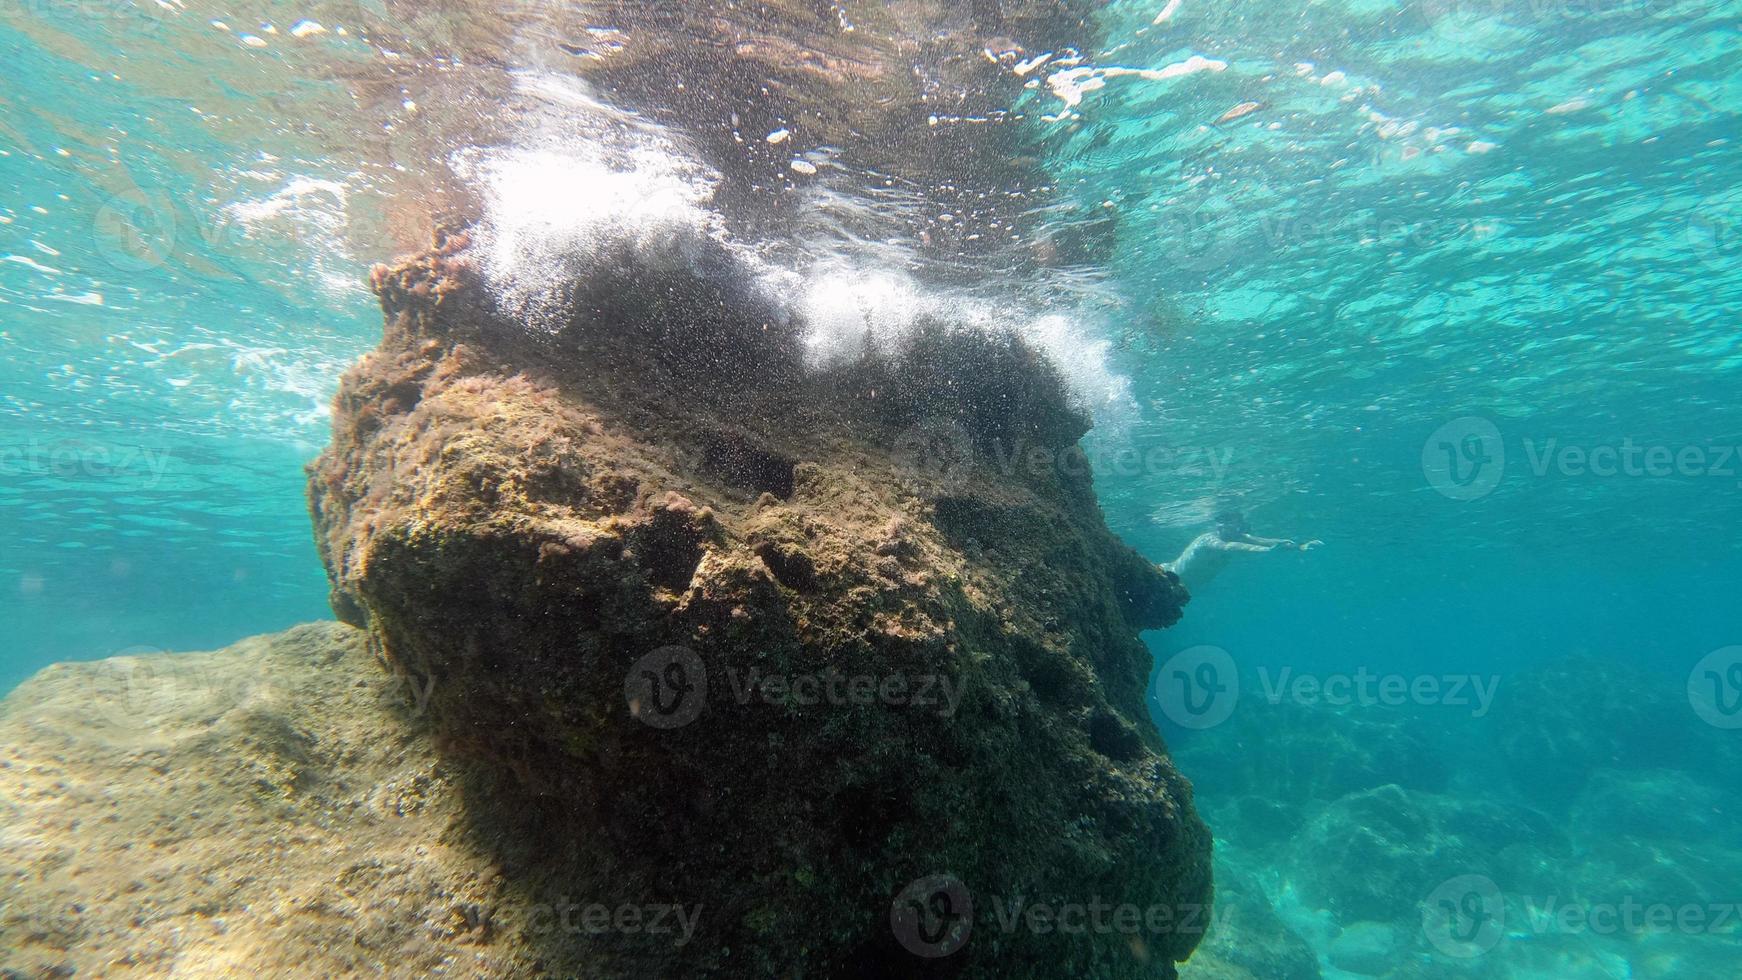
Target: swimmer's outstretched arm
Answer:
pixel 1253 545
pixel 1286 544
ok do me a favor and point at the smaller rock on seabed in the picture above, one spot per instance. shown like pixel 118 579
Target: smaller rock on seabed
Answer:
pixel 274 809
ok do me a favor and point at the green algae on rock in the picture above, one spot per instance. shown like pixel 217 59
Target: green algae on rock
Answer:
pixel 718 628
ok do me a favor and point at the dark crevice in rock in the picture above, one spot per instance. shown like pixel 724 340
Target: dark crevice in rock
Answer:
pixel 962 519
pixel 669 545
pixel 1055 678
pixel 791 567
pixel 402 397
pixel 748 467
pixel 1113 737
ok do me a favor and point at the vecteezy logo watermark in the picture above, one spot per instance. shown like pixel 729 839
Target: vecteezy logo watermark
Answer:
pixel 71 459
pixel 937 449
pixel 1204 239
pixel 627 918
pixel 1465 916
pixel 134 231
pixel 1458 20
pixel 945 453
pixel 1198 240
pixel 411 690
pixel 1629 916
pixel 1468 20
pixel 667 688
pixel 833 687
pixel 142 17
pixel 1715 688
pixel 140 686
pixel 1714 229
pixel 1198 687
pixel 140 229
pixel 933 916
pixel 56 922
pixel 1465 459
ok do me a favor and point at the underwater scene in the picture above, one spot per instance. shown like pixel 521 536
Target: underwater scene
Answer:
pixel 902 488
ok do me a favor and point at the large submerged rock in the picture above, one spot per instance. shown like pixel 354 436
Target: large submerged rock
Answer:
pixel 828 654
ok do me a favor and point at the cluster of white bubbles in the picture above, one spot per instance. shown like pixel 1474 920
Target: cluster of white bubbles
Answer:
pixel 586 183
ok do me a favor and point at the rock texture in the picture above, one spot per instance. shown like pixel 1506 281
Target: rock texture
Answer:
pixel 720 630
pixel 269 810
pixel 1247 940
pixel 1564 720
pixel 1344 843
pixel 1375 855
pixel 1309 753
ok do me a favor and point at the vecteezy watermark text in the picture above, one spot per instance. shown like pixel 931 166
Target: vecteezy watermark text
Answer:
pixel 1469 20
pixel 1099 917
pixel 935 916
pixel 1628 916
pixel 833 687
pixel 1110 460
pixel 944 450
pixel 1199 688
pixel 627 918
pixel 1366 689
pixel 663 922
pixel 669 688
pixel 141 16
pixel 1466 916
pixel 1630 459
pixel 1715 688
pixel 71 459
pixel 1467 459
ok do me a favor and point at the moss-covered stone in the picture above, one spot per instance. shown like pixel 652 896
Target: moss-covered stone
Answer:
pixel 552 526
pixel 275 809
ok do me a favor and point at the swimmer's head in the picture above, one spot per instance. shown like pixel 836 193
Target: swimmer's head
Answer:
pixel 1232 524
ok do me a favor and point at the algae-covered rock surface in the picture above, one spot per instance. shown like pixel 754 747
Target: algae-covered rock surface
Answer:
pixel 274 809
pixel 842 655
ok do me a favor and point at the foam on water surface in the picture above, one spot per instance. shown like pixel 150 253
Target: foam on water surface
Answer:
pixel 583 182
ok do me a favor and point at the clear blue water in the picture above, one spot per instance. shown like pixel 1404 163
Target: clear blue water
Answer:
pixel 1524 214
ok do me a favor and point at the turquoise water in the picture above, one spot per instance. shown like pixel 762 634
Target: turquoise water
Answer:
pixel 167 363
pixel 1356 237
